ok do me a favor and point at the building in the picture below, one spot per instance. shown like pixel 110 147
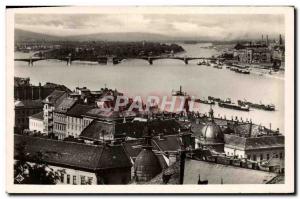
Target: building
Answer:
pixel 50 103
pixel 24 90
pixel 258 149
pixel 82 163
pixel 196 172
pixel 36 122
pixel 74 116
pixel 24 109
pixel 60 117
pixel 211 135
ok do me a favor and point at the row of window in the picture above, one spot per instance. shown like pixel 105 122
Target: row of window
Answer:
pixel 60 127
pixel 83 179
pixel 60 118
pixel 261 156
pixel 27 111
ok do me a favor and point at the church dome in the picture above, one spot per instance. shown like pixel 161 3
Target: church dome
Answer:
pixel 211 131
pixel 146 165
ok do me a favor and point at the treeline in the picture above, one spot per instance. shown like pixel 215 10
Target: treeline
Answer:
pixel 92 50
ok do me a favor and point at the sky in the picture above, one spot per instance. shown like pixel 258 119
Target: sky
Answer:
pixel 216 27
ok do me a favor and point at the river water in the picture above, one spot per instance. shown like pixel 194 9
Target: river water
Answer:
pixel 137 77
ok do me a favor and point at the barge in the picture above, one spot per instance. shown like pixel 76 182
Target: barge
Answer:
pixel 234 106
pixel 267 107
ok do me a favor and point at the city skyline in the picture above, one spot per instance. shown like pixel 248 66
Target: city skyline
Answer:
pixel 191 26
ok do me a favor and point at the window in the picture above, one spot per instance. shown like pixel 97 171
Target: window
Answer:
pixel 261 156
pixel 74 180
pixel 62 178
pixel 254 157
pixel 281 155
pixel 82 180
pixel 68 179
pixel 268 156
pixel 90 180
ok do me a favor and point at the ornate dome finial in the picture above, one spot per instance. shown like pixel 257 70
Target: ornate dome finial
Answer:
pixel 211 113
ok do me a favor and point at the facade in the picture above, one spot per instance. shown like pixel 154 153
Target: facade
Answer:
pixel 74 119
pixel 82 163
pixel 24 109
pixel 258 149
pixel 36 122
pixel 23 90
pixel 50 103
pixel 60 117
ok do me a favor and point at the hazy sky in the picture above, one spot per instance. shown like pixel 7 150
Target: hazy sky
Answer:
pixel 193 25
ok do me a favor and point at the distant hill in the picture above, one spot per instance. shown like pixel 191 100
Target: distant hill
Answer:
pixel 22 35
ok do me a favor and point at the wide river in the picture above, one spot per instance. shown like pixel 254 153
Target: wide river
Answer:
pixel 137 77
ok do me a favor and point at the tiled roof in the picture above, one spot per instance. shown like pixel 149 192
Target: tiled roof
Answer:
pixel 133 147
pixel 96 129
pixel 170 175
pixel 167 143
pixel 253 143
pixel 39 116
pixel 108 115
pixel 54 97
pixel 29 104
pixel 66 104
pixel 136 129
pixel 73 155
pixel 78 110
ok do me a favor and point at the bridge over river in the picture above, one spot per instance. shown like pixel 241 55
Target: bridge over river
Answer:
pixel 114 60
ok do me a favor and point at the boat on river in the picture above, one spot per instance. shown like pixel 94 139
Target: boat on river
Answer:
pixel 234 106
pixel 179 93
pixel 267 107
pixel 205 101
pixel 216 99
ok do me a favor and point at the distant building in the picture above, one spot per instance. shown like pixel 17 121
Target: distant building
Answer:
pixel 83 164
pixel 23 90
pixel 36 122
pixel 24 109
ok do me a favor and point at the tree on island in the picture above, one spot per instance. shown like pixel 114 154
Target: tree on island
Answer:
pixel 36 172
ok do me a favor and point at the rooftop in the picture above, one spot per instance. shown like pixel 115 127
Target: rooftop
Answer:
pixel 215 173
pixel 96 130
pixel 78 110
pixel 66 104
pixel 252 143
pixel 54 97
pixel 39 116
pixel 29 104
pixel 73 155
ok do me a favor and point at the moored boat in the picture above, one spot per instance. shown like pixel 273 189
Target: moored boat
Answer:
pixel 267 107
pixel 234 106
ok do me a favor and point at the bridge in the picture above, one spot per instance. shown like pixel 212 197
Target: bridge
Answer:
pixel 114 60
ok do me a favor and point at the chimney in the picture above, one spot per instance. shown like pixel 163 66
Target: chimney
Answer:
pixel 280 39
pixel 182 164
pixel 250 129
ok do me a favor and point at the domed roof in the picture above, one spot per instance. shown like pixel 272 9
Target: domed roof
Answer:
pixel 211 131
pixel 146 165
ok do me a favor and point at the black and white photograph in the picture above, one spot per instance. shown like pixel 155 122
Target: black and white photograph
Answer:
pixel 201 98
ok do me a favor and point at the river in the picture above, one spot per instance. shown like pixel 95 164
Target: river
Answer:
pixel 137 77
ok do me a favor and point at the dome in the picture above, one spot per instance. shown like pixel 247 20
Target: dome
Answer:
pixel 146 165
pixel 212 132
